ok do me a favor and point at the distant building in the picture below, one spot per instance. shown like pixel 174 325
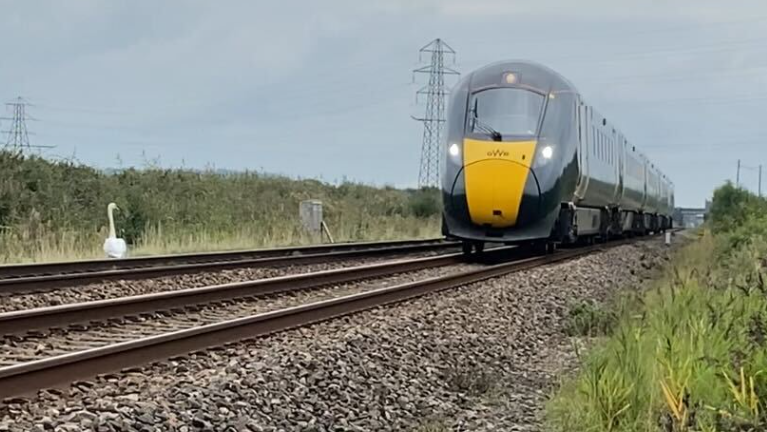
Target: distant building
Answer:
pixel 691 217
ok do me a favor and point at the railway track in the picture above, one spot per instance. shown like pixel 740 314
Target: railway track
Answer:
pixel 37 277
pixel 19 322
pixel 186 326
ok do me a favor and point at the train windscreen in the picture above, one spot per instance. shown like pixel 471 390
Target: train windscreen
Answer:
pixel 505 112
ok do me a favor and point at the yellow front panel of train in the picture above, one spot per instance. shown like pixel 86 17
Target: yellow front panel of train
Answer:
pixel 495 174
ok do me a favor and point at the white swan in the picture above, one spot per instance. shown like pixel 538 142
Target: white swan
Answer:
pixel 114 247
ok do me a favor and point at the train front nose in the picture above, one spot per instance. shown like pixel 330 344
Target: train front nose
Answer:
pixel 497 179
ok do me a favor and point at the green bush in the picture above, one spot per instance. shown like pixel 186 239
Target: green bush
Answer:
pixel 46 206
pixel 732 207
pixel 588 318
pixel 425 203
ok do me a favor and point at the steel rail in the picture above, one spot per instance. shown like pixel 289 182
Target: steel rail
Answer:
pixel 26 377
pixel 24 284
pixel 63 315
pixel 36 269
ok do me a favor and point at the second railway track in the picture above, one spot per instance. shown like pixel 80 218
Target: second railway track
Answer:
pixel 22 278
pixel 178 332
pixel 21 321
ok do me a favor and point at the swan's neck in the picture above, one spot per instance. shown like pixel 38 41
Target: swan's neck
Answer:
pixel 112 232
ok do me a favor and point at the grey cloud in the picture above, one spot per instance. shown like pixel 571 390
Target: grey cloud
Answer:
pixel 321 88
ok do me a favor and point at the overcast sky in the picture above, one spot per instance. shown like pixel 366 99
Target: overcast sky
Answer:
pixel 323 88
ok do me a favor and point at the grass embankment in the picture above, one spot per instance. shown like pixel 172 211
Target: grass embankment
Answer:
pixel 57 211
pixel 689 353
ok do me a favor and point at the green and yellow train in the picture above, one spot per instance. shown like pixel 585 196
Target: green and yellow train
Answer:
pixel 527 160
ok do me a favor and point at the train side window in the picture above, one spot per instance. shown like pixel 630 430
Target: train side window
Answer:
pixel 597 141
pixel 599 147
pixel 612 153
pixel 602 147
pixel 578 122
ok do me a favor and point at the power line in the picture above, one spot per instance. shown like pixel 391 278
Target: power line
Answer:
pixel 18 134
pixel 751 168
pixel 707 25
pixel 434 118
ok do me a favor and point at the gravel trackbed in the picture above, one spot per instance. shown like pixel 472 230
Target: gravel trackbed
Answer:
pixel 483 357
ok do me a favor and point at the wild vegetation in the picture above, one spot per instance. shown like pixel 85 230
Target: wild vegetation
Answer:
pixel 57 210
pixel 690 352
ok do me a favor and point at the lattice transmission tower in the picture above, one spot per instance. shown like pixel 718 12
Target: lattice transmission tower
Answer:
pixel 434 117
pixel 18 134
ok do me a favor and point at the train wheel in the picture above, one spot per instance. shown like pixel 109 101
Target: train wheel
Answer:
pixel 479 247
pixel 540 247
pixel 466 248
pixel 472 246
pixel 551 247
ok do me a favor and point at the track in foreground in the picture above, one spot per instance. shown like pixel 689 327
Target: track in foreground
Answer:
pixel 23 378
pixel 15 279
pixel 22 321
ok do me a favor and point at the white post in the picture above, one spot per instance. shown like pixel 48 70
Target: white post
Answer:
pixel 668 238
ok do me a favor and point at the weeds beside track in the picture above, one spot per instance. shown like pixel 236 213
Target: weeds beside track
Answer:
pixel 690 352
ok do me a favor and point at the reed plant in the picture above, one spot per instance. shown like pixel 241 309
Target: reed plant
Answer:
pixel 690 352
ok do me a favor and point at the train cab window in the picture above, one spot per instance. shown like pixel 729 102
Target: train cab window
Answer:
pixel 505 111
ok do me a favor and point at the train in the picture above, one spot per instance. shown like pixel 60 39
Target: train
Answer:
pixel 528 160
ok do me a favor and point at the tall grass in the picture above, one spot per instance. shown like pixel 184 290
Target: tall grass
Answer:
pixel 57 210
pixel 689 354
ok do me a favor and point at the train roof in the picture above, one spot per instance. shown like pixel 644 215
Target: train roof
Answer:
pixel 527 74
pixel 537 77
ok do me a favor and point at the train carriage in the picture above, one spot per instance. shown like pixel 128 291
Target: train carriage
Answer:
pixel 528 160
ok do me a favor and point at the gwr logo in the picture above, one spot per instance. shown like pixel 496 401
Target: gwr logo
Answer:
pixel 497 153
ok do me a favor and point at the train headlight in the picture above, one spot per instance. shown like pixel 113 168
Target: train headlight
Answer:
pixel 547 152
pixel 454 150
